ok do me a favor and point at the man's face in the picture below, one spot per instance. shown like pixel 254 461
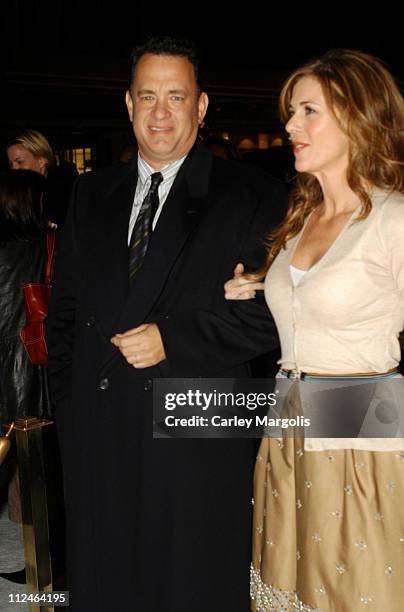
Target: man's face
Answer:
pixel 165 108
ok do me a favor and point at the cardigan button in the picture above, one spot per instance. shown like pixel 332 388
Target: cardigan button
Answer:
pixel 90 321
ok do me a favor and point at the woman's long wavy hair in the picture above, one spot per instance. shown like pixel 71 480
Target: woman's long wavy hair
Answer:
pixel 369 108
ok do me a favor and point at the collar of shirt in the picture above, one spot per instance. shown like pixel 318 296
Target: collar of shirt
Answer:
pixel 145 171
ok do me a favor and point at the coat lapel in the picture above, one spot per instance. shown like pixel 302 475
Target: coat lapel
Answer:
pixel 112 281
pixel 180 215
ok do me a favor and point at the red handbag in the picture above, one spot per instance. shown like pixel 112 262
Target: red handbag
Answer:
pixel 36 298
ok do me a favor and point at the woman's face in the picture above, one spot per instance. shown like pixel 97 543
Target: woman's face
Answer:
pixel 319 145
pixel 20 158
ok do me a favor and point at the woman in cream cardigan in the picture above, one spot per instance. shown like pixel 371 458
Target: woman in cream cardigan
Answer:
pixel 329 513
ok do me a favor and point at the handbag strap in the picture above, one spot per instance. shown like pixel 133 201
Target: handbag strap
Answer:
pixel 50 245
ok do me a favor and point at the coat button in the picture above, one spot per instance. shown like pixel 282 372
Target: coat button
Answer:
pixel 148 384
pixel 104 384
pixel 90 321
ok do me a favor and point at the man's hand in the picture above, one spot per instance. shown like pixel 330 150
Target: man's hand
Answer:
pixel 142 346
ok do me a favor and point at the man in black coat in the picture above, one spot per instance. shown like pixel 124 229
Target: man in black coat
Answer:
pixel 157 525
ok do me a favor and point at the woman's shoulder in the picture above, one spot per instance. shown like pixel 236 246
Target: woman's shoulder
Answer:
pixel 391 202
pixel 24 243
pixel 23 254
pixel 389 209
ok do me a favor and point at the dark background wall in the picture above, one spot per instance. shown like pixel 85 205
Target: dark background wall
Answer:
pixel 66 62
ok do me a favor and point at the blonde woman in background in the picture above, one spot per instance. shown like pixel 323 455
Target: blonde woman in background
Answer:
pixel 30 150
pixel 328 517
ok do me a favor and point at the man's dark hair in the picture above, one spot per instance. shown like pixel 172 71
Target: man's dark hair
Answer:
pixel 165 45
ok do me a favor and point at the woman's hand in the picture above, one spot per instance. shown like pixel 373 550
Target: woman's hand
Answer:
pixel 239 287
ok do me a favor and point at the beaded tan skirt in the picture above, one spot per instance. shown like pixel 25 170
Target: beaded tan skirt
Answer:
pixel 328 529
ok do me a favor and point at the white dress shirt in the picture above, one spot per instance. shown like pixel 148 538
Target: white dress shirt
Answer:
pixel 145 171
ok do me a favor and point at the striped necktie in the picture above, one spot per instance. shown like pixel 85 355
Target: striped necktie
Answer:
pixel 142 230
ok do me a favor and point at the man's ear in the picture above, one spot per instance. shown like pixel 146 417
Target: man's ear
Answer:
pixel 203 104
pixel 129 104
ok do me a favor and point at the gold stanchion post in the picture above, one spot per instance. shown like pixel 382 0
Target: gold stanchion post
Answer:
pixel 31 469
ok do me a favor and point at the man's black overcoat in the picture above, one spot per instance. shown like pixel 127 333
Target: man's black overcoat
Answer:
pixel 157 525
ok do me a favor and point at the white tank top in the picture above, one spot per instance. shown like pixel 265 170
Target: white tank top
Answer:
pixel 296 274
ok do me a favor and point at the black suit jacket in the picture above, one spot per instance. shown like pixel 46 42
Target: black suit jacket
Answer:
pixel 169 519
